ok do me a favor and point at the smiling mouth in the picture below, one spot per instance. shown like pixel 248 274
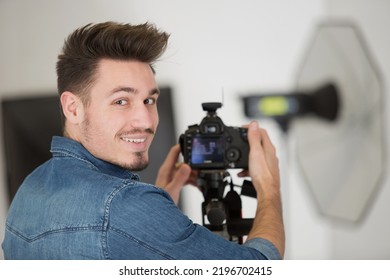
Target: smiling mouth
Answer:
pixel 133 140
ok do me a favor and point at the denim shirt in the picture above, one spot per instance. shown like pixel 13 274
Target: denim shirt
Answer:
pixel 76 206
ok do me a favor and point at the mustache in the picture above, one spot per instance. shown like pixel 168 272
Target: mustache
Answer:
pixel 137 130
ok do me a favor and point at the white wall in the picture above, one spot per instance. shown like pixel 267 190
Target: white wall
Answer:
pixel 240 46
pixel 368 239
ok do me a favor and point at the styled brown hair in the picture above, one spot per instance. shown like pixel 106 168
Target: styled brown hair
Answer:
pixel 86 46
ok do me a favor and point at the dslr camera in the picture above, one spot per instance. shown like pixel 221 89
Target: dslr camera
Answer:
pixel 211 145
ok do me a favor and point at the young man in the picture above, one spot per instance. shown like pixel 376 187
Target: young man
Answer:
pixel 87 202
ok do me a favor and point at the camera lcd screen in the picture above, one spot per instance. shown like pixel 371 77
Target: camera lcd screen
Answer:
pixel 206 149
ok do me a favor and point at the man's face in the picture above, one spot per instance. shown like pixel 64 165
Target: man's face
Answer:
pixel 121 117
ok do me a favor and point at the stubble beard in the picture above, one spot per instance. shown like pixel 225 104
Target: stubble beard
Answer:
pixel 140 163
pixel 140 158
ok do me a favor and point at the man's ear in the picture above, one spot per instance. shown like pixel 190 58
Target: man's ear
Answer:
pixel 72 107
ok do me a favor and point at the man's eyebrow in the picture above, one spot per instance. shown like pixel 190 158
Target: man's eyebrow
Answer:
pixel 154 91
pixel 133 90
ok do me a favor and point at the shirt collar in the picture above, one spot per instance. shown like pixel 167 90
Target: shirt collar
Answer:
pixel 61 146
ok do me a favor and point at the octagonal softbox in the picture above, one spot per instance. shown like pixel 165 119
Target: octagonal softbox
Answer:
pixel 335 115
pixel 342 161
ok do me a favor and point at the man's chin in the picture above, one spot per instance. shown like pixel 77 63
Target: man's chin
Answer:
pixel 139 163
pixel 138 167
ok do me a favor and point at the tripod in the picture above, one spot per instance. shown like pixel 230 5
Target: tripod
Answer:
pixel 223 213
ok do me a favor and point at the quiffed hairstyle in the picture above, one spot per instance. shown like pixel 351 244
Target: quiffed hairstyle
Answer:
pixel 86 46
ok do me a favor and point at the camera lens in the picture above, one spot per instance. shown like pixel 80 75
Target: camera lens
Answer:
pixel 233 154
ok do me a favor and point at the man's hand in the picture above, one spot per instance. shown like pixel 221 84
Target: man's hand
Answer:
pixel 172 176
pixel 264 171
pixel 263 162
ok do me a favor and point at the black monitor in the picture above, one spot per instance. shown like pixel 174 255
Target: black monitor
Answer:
pixel 30 123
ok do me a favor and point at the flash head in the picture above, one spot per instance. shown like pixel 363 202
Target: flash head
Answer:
pixel 211 107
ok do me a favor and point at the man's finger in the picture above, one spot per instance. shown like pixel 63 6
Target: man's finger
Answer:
pixel 167 168
pixel 179 180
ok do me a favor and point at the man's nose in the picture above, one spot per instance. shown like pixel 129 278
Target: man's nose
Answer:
pixel 141 116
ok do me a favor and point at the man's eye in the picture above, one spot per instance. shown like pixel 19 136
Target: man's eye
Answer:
pixel 121 102
pixel 150 101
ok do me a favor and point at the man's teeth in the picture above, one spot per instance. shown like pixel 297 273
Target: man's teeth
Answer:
pixel 133 140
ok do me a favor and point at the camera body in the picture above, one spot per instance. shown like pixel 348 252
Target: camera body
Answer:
pixel 212 145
